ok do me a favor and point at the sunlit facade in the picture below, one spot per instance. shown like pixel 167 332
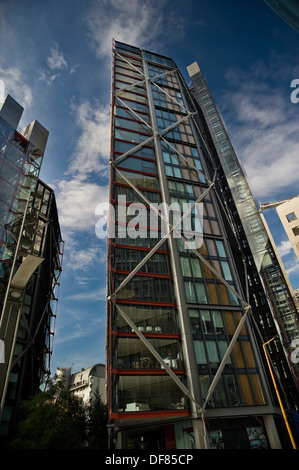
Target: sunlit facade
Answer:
pixel 173 310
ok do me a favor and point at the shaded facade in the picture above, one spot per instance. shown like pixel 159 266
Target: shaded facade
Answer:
pixel 31 253
pixel 271 294
pixel 175 311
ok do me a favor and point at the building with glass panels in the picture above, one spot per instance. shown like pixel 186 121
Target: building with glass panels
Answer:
pixel 184 368
pixel 272 296
pixel 31 252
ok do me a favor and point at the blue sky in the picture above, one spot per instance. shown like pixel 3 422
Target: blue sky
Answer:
pixel 55 60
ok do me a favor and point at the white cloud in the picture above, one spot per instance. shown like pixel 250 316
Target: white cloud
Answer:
pixel 284 248
pixel 92 147
pixel 293 270
pixel 263 124
pixel 47 77
pixel 14 85
pixel 77 201
pixel 57 64
pixel 132 22
pixel 84 259
pixel 94 295
pixel 143 24
pixel 56 60
pixel 79 329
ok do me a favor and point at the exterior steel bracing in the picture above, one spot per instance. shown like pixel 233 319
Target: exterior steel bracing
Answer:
pixel 138 137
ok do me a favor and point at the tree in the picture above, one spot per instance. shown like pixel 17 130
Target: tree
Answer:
pixel 97 418
pixel 56 419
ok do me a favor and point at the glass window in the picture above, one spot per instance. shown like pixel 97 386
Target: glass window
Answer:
pixel 229 322
pixel 131 136
pixel 220 248
pixel 257 389
pixel 177 172
pixel 220 399
pixel 189 291
pixel 223 345
pixel 291 216
pixel 201 293
pixel 186 270
pixel 168 170
pixel 212 294
pixel 132 104
pixel 9 172
pixel 148 393
pixel 195 263
pixel 149 318
pixel 206 321
pixel 200 354
pixel 132 96
pixel 212 353
pixel 145 288
pixel 194 319
pixel 226 271
pixel 138 164
pixel 245 390
pixel 166 157
pixel 248 354
pixel 137 179
pixel 15 155
pixel 133 354
pixel 218 322
pixel 233 393
pixel 123 147
pixel 132 125
pixel 6 192
pixel 296 230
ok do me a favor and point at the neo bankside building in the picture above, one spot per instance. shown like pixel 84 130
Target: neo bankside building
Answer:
pixel 185 367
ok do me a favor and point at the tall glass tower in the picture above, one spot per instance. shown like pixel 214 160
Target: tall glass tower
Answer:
pixel 181 350
pixel 31 251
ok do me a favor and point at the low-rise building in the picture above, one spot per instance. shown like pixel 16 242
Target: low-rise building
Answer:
pixel 85 384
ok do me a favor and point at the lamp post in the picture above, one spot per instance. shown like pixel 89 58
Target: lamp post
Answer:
pixel 278 396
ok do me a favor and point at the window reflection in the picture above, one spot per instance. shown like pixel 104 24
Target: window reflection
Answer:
pixel 133 354
pixel 149 393
pixel 149 318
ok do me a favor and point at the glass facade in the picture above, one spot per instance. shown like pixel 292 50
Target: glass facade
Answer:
pixel 272 302
pixel 29 236
pixel 172 309
pixel 140 384
pixel 19 170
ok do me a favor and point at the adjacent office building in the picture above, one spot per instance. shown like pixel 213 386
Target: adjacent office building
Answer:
pixel 272 296
pixel 184 361
pixel 288 213
pixel 31 251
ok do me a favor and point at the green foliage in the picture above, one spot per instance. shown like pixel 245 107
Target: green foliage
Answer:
pixel 56 419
